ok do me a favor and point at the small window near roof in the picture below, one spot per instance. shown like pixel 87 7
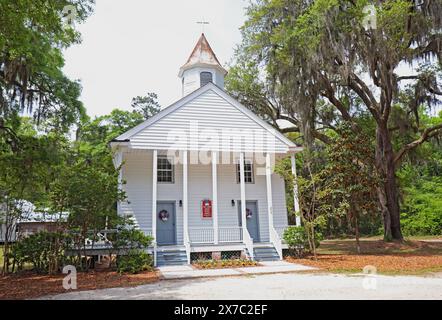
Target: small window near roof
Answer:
pixel 205 78
pixel 248 172
pixel 165 170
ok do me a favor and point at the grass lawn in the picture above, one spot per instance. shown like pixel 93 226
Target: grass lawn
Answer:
pixel 423 256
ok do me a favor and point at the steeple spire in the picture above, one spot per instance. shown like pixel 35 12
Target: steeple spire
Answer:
pixel 202 55
pixel 201 67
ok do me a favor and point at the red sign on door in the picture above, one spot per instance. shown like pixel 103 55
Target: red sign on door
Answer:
pixel 206 208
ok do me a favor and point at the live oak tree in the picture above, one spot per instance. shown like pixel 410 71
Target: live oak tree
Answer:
pixel 33 35
pixel 318 63
pixel 25 176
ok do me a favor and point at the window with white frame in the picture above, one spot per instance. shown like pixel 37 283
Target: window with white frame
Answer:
pixel 165 170
pixel 248 172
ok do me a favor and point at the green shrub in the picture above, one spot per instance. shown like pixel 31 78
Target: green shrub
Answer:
pixel 43 250
pixel 131 244
pixel 422 209
pixel 131 238
pixel 297 240
pixel 134 261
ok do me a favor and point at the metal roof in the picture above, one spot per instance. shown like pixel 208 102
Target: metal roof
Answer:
pixel 202 55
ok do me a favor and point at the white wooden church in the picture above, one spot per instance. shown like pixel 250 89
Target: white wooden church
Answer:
pixel 199 175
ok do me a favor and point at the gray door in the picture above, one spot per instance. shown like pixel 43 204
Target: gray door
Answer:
pixel 253 221
pixel 166 233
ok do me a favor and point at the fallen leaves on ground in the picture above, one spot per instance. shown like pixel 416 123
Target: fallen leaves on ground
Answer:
pixel 411 257
pixel 30 285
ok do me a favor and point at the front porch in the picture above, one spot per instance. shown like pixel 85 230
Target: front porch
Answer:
pixel 230 242
pixel 181 225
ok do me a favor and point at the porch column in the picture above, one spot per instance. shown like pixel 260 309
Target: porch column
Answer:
pixel 269 191
pixel 185 198
pixel 215 196
pixel 154 194
pixel 295 191
pixel 243 194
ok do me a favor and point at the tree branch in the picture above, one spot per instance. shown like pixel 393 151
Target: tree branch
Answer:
pixel 427 134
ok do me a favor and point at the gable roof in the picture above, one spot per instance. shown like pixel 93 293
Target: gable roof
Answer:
pixel 126 137
pixel 202 55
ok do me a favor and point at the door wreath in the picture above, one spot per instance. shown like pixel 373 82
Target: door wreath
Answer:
pixel 164 215
pixel 249 213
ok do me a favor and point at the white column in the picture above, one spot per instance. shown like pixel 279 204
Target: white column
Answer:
pixel 269 190
pixel 154 194
pixel 295 191
pixel 185 197
pixel 215 196
pixel 243 194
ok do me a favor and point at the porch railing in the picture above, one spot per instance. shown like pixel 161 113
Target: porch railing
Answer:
pixel 230 234
pixel 148 232
pixel 280 231
pixel 225 235
pixel 248 241
pixel 276 240
pixel 187 245
pixel 201 235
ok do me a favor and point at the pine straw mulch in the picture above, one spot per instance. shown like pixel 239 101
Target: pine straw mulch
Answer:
pixel 29 285
pixel 410 257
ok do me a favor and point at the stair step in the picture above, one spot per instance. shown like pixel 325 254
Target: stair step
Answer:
pixel 265 253
pixel 172 257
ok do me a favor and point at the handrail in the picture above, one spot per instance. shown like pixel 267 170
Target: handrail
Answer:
pixel 155 253
pixel 248 241
pixel 276 240
pixel 187 245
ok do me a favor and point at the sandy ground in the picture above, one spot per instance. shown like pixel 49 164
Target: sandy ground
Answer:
pixel 276 286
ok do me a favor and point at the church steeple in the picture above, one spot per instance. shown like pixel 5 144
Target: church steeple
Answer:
pixel 201 67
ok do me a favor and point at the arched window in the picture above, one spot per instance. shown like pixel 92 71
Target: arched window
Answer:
pixel 205 78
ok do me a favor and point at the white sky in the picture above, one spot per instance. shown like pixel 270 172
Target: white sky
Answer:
pixel 131 47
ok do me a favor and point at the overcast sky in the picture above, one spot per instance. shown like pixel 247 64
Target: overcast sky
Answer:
pixel 131 47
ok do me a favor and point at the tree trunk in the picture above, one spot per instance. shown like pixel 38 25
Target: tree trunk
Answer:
pixel 389 199
pixel 356 222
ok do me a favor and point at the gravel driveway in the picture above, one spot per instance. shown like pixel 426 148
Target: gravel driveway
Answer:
pixel 276 286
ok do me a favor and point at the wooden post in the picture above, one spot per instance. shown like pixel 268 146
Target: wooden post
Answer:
pixel 215 196
pixel 243 194
pixel 295 191
pixel 154 194
pixel 269 190
pixel 185 197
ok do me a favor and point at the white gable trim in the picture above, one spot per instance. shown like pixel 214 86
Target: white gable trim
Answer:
pixel 210 86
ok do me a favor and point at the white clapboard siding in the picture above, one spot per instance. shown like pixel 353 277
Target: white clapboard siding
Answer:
pixel 137 172
pixel 208 116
